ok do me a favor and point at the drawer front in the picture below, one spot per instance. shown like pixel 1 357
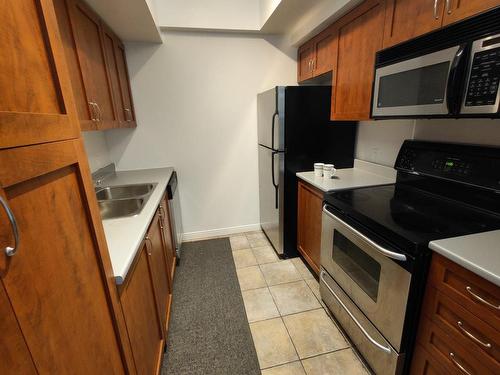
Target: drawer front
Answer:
pixel 470 291
pixel 466 328
pixel 425 364
pixel 453 356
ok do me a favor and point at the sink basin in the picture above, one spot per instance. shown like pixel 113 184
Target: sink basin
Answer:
pixel 120 208
pixel 124 191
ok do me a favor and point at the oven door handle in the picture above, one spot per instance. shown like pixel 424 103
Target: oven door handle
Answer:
pixel 386 349
pixel 380 249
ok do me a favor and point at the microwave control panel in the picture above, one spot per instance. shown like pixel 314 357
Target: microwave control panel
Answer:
pixel 484 78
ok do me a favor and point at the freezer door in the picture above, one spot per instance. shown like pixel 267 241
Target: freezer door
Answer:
pixel 270 124
pixel 271 173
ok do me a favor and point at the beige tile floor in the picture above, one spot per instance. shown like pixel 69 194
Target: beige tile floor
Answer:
pixel 291 330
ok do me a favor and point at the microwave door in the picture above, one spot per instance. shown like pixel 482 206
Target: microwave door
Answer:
pixel 415 87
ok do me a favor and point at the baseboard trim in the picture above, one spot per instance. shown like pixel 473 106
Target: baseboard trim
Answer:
pixel 205 234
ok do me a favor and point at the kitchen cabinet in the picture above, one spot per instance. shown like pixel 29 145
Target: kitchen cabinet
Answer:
pixel 141 312
pixel 159 268
pixel 318 55
pixel 406 19
pixel 456 10
pixel 47 188
pixel 168 233
pixel 97 68
pixel 459 327
pixel 36 105
pixel 309 212
pixel 360 37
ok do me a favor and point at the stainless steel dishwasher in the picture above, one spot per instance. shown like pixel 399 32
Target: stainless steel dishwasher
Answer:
pixel 174 208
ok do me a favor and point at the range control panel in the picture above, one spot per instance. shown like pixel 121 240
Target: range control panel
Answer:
pixel 471 164
pixel 484 78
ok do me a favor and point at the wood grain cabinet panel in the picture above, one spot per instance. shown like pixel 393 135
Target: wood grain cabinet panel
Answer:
pixel 360 37
pixel 159 268
pixel 36 102
pixel 60 282
pixel 425 364
pixel 457 10
pixel 309 211
pixel 305 61
pixel 325 46
pixel 140 308
pixel 407 19
pixel 125 90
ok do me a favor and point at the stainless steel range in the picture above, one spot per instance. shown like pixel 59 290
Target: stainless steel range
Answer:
pixel 374 245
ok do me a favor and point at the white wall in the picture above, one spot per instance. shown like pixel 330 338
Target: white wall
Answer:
pixel 213 14
pixel 97 150
pixel 195 101
pixel 379 141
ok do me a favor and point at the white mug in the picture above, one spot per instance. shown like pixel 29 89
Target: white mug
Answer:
pixel 329 171
pixel 318 169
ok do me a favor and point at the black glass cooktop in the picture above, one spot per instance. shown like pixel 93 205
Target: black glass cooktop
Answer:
pixel 399 212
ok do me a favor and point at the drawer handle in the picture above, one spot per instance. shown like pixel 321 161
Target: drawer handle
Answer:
pixel 385 349
pixel 456 363
pixel 481 299
pixel 471 336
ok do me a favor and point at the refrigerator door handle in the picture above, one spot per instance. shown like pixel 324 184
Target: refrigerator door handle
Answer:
pixel 272 129
pixel 276 186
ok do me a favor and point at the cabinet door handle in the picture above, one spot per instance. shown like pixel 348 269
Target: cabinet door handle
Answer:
pixel 436 9
pixel 151 243
pixel 448 6
pixel 92 111
pixel 99 117
pixel 9 250
pixel 481 299
pixel 128 114
pixel 458 364
pixel 472 337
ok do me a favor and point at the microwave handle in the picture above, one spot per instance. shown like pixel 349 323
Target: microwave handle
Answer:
pixel 456 79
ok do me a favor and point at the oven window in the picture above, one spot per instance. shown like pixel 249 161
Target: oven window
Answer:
pixel 360 267
pixel 426 85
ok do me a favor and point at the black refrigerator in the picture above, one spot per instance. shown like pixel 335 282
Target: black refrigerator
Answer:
pixel 294 132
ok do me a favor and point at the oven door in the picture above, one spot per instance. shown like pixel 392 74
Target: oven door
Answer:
pixel 368 274
pixel 415 87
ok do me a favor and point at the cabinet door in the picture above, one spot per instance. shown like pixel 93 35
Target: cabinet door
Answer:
pixel 16 358
pixel 406 19
pixel 168 234
pixel 60 282
pixel 141 314
pixel 36 102
pixel 86 113
pixel 126 92
pixel 360 37
pixel 159 270
pixel 325 45
pixel 86 27
pixel 457 10
pixel 309 210
pixel 305 60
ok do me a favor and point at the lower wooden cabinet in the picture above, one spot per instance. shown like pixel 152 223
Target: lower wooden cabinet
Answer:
pixel 458 330
pixel 59 308
pixel 146 295
pixel 309 212
pixel 140 308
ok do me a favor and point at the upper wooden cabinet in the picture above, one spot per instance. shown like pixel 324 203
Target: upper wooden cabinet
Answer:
pixel 36 103
pixel 318 55
pixel 456 10
pixel 406 19
pixel 360 37
pixel 98 70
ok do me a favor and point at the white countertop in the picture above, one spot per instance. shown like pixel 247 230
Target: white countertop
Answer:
pixel 124 235
pixel 363 174
pixel 478 253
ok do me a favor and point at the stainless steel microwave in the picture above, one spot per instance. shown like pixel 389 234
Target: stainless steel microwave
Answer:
pixel 457 81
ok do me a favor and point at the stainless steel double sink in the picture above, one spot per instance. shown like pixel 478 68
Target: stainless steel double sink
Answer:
pixel 123 200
